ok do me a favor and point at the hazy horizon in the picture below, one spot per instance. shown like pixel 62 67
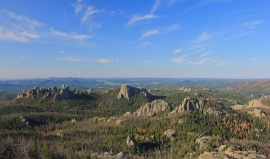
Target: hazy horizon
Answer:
pixel 135 38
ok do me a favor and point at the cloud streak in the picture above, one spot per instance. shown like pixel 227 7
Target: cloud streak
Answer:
pixel 138 18
pixel 168 29
pixel 22 29
pixel 149 33
pixel 72 35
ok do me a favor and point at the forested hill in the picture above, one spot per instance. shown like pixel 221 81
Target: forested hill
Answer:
pixel 131 122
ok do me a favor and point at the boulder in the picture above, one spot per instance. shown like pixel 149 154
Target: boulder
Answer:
pixel 121 154
pixel 222 148
pixel 127 92
pixel 132 143
pixel 202 141
pixel 127 114
pixel 213 155
pixel 171 133
pixel 153 107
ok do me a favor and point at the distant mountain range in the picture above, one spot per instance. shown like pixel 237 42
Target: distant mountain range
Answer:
pixel 17 85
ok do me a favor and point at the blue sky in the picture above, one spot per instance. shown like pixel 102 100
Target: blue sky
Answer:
pixel 135 38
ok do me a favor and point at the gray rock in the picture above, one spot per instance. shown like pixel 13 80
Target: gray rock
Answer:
pixel 202 141
pixel 127 92
pixel 189 105
pixel 65 92
pixel 257 113
pixel 121 154
pixel 171 133
pixel 154 107
pixel 211 111
pixel 132 143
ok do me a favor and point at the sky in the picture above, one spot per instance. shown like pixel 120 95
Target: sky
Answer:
pixel 135 38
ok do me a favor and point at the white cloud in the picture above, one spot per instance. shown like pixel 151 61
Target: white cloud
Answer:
pixel 205 54
pixel 181 59
pixel 223 63
pixel 103 60
pixel 148 33
pixel 72 35
pixel 254 24
pixel 176 51
pixel 89 11
pixel 137 18
pixel 202 3
pixel 161 30
pixel 150 61
pixel 202 61
pixel 206 36
pixel 156 5
pixel 71 59
pixel 18 28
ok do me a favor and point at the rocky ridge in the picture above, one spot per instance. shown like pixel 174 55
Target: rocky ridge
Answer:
pixel 54 93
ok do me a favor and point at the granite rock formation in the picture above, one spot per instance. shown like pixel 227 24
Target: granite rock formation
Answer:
pixel 51 93
pixel 189 104
pixel 127 92
pixel 153 107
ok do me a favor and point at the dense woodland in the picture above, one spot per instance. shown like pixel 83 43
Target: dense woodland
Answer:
pixel 80 127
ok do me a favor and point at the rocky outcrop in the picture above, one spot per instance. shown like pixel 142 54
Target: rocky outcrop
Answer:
pixel 255 103
pixel 211 111
pixel 64 92
pixel 189 105
pixel 52 93
pixel 231 153
pixel 171 133
pixel 109 155
pixel 202 141
pixel 153 108
pixel 132 143
pixel 257 113
pixel 127 92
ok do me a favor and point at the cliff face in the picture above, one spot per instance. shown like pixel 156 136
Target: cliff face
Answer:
pixel 127 92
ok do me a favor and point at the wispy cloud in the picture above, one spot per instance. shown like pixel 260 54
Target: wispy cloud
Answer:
pixel 136 18
pixel 156 5
pixel 161 30
pixel 205 54
pixel 103 60
pixel 254 24
pixel 78 7
pixel 87 14
pixel 223 63
pixel 202 61
pixel 202 3
pixel 18 28
pixel 182 59
pixel 71 35
pixel 205 36
pixel 176 51
pixel 71 59
pixel 148 33
pixel 144 61
pixel 89 11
